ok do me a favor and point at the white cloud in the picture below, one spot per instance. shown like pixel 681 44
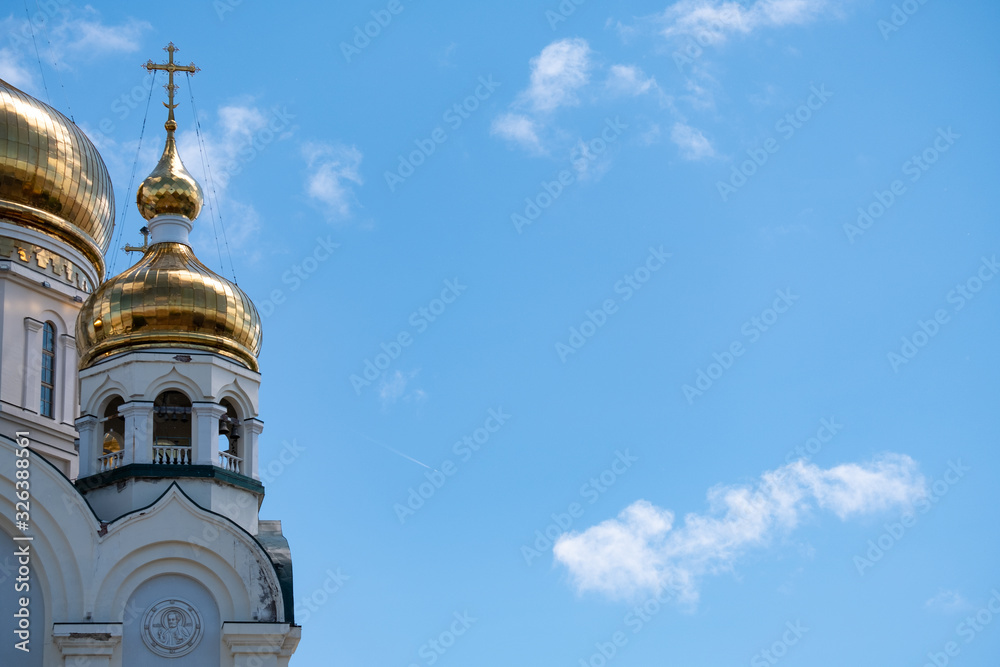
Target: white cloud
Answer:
pixel 333 169
pixel 517 128
pixel 948 602
pixel 713 21
pixel 92 37
pixel 628 80
pixel 13 70
pixel 561 69
pixel 692 143
pixel 393 388
pixel 641 551
pixel 557 74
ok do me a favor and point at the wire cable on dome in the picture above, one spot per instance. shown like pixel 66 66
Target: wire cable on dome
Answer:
pixel 55 67
pixel 38 57
pixel 207 168
pixel 120 227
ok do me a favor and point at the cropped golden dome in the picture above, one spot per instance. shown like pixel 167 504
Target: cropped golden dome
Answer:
pixel 170 188
pixel 52 178
pixel 169 299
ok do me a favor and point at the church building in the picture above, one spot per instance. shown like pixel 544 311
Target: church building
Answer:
pixel 130 430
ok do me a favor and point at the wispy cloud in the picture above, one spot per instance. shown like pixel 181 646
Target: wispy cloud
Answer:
pixel 557 73
pixel 393 388
pixel 519 129
pixel 628 80
pixel 333 170
pixel 948 602
pixel 691 142
pixel 14 71
pixel 641 551
pixel 714 21
pixel 91 37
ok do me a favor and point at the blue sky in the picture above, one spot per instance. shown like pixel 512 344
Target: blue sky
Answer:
pixel 704 290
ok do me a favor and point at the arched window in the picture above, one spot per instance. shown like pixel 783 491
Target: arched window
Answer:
pixel 229 438
pixel 114 429
pixel 114 426
pixel 48 369
pixel 172 428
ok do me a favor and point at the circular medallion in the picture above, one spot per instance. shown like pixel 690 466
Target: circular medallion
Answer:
pixel 171 628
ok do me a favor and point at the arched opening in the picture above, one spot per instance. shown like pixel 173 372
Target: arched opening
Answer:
pixel 48 369
pixel 172 429
pixel 230 456
pixel 114 438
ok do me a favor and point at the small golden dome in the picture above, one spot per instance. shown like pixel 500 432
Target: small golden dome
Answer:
pixel 169 299
pixel 52 179
pixel 170 188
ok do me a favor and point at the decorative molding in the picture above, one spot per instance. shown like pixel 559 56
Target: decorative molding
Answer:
pixel 45 261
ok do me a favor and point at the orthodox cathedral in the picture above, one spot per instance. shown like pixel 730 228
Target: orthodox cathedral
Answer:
pixel 130 430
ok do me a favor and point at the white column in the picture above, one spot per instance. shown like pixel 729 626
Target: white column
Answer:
pixel 66 358
pixel 260 644
pixel 252 428
pixel 31 396
pixel 89 429
pixel 91 644
pixel 205 429
pixel 138 435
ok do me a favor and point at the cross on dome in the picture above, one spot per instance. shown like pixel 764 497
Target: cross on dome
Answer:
pixel 170 67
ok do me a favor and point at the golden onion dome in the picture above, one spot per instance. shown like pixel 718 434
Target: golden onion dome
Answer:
pixel 169 299
pixel 52 179
pixel 170 189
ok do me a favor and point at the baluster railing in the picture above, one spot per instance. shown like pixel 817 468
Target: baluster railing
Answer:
pixel 230 462
pixel 171 455
pixel 109 461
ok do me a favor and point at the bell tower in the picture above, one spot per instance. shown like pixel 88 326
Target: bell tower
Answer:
pixel 168 364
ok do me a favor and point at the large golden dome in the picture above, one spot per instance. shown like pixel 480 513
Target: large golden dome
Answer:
pixel 52 178
pixel 169 299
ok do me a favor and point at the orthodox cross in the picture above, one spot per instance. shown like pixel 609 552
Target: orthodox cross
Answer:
pixel 145 242
pixel 170 67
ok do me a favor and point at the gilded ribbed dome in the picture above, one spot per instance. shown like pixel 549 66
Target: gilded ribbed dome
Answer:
pixel 52 178
pixel 169 299
pixel 170 189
